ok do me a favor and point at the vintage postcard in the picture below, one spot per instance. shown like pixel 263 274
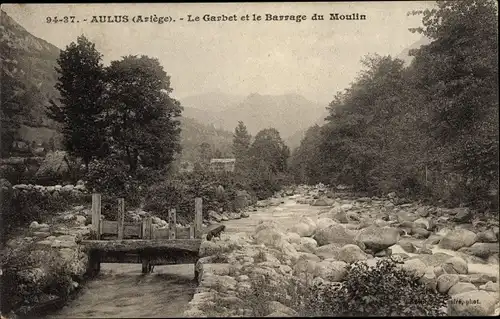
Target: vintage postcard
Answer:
pixel 278 159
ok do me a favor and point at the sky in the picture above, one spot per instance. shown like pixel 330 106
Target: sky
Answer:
pixel 312 58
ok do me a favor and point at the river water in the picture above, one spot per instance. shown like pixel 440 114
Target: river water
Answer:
pixel 122 291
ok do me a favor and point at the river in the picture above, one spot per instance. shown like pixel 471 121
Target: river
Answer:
pixel 121 290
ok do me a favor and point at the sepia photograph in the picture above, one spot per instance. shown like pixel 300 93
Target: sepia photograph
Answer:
pixel 239 159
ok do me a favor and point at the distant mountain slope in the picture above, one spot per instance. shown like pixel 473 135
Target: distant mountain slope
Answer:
pixel 212 101
pixel 28 64
pixel 287 113
pixel 193 134
pixel 404 55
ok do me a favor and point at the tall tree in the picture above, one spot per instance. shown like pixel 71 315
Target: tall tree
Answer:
pixel 268 148
pixel 205 154
pixel 143 119
pixel 81 85
pixel 241 145
pixel 458 73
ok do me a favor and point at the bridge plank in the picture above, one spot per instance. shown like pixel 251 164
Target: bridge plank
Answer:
pixel 136 245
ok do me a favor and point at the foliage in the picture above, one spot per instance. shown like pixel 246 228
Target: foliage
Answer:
pixel 18 290
pixel 383 290
pixel 180 192
pixel 241 146
pixel 81 86
pixel 141 117
pixel 429 130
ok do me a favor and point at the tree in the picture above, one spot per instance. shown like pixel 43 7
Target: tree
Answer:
pixel 241 145
pixel 143 124
pixel 205 154
pixel 305 161
pixel 268 148
pixel 81 84
pixel 458 74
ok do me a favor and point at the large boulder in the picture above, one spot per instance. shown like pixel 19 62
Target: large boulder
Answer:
pixel 53 164
pixel 455 265
pixel 472 303
pixel 482 250
pixel 307 244
pixel 335 233
pixel 305 227
pixel 351 253
pixel 446 281
pixel 334 271
pixel 378 238
pixel 457 239
pixel 330 251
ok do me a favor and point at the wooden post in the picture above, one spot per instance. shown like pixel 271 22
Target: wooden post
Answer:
pixel 96 215
pixel 121 217
pixel 172 223
pixel 147 229
pixel 191 232
pixel 147 225
pixel 198 217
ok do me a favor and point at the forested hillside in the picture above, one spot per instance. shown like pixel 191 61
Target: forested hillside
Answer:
pixel 428 130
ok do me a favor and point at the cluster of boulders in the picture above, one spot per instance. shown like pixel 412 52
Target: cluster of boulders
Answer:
pixel 54 253
pixel 450 250
pixel 78 189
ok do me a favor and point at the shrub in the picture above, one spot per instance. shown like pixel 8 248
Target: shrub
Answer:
pixel 382 290
pixel 180 192
pixel 50 276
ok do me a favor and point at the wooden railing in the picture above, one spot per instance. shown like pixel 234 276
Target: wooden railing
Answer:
pixel 143 230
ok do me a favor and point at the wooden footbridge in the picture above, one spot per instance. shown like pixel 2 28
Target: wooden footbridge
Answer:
pixel 139 242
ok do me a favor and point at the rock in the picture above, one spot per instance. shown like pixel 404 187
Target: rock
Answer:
pixel 457 239
pixel 432 240
pixel 339 214
pixel 275 306
pixel 429 279
pixel 234 216
pixel 351 253
pixel 324 223
pixel 422 211
pixel 490 286
pixel 455 265
pixel 422 223
pixel 333 271
pixel 482 250
pixel 68 188
pixel 215 216
pixel 305 228
pixel 322 202
pixel 415 267
pixel 487 236
pixel 34 225
pixel 420 233
pixel 438 270
pixel 329 251
pixel 436 259
pixel 446 281
pixel 478 279
pixel 307 245
pixel 80 220
pixel 403 216
pixel 472 303
pixel 244 214
pixel 293 238
pixel 424 250
pixel 335 233
pixel 461 287
pixel 378 238
pixel 462 215
pixel 407 245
